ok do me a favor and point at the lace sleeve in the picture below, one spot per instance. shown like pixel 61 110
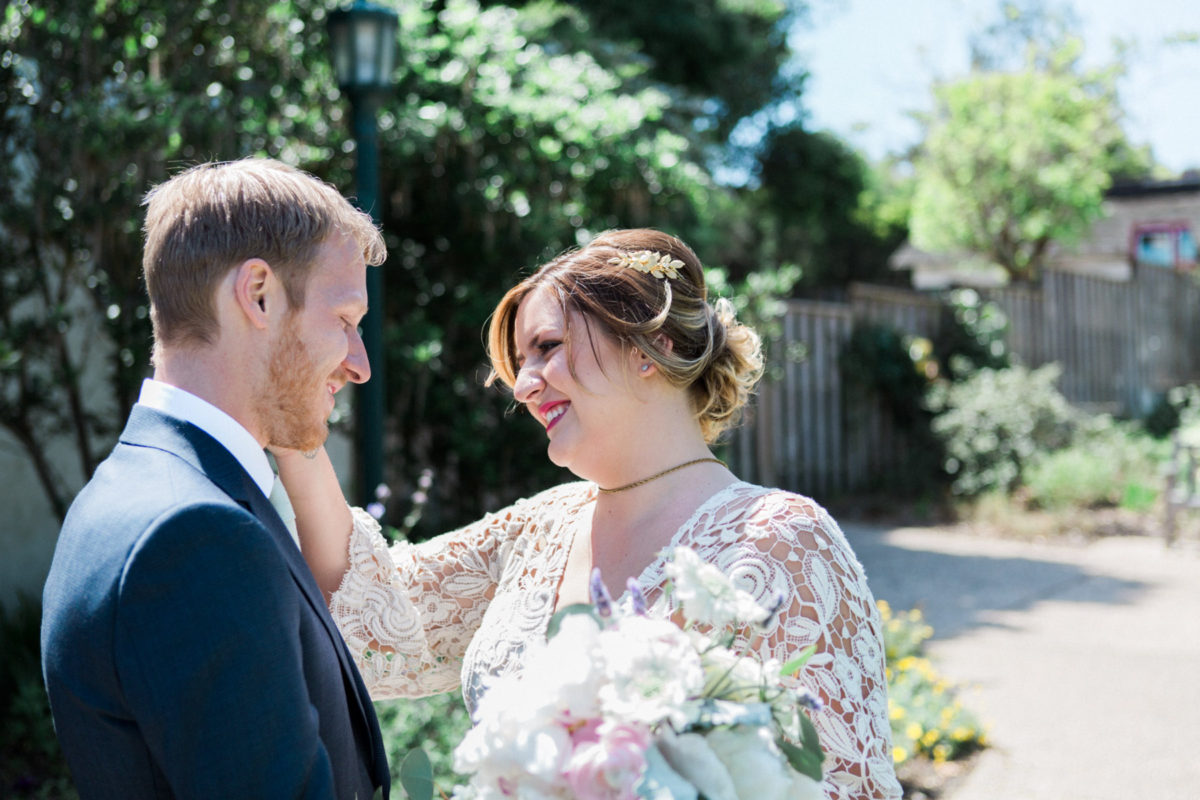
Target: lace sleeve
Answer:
pixel 832 608
pixel 773 542
pixel 408 611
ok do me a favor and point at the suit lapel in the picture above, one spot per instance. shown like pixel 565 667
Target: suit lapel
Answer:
pixel 150 428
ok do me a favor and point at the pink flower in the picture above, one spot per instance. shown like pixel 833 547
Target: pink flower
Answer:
pixel 608 760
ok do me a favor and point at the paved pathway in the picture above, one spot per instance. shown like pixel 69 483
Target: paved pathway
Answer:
pixel 1084 661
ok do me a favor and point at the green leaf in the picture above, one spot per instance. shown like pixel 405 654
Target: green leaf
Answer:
pixel 805 759
pixel 566 611
pixel 793 666
pixel 416 775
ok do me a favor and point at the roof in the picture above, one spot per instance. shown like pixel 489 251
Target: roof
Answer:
pixel 1188 182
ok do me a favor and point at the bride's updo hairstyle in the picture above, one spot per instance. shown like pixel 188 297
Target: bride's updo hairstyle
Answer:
pixel 697 346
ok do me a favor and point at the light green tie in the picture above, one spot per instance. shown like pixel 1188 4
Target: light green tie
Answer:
pixel 279 499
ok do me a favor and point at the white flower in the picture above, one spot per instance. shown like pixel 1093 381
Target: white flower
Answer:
pixel 568 672
pixel 732 676
pixel 651 668
pixel 707 595
pixel 501 758
pixel 757 767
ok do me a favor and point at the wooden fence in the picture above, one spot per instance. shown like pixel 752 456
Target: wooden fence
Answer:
pixel 1120 345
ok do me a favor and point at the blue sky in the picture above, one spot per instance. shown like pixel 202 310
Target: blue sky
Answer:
pixel 871 61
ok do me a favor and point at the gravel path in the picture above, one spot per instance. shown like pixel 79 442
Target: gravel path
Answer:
pixel 1083 660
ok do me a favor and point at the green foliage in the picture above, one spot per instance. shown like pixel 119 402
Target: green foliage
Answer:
pixel 416 775
pixel 433 724
pixel 31 763
pixel 1176 410
pixel 733 54
pixel 1015 160
pixel 1108 463
pixel 880 359
pixel 882 365
pixel 98 101
pixel 972 335
pixel 516 131
pixel 995 422
pixel 926 716
pixel 823 207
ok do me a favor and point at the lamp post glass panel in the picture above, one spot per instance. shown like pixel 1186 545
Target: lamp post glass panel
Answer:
pixel 363 37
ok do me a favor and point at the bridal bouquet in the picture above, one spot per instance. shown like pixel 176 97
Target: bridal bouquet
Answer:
pixel 619 705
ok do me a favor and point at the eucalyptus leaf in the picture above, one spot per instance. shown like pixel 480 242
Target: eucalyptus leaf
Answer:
pixel 661 782
pixel 801 759
pixel 794 665
pixel 807 757
pixel 567 611
pixel 416 775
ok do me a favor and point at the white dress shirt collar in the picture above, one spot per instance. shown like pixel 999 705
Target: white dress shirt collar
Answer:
pixel 183 405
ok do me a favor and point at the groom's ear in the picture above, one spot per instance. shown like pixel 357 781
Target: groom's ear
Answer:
pixel 253 290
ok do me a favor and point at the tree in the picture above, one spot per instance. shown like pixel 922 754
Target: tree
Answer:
pixel 97 102
pixel 822 207
pixel 1015 160
pixel 515 131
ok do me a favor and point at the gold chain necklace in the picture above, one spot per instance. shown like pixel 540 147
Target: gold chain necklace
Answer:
pixel 658 475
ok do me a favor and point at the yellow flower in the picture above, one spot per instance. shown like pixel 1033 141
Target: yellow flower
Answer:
pixel 930 738
pixel 885 610
pixel 913 731
pixel 941 753
pixel 895 712
pixel 899 754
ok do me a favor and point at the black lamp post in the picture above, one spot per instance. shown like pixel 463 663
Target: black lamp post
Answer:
pixel 364 55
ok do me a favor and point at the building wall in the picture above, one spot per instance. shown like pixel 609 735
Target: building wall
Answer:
pixel 1105 251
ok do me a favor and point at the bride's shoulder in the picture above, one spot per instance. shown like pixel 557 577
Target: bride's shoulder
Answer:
pixel 762 511
pixel 765 502
pixel 563 496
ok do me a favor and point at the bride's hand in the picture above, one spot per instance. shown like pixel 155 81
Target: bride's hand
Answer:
pixel 323 519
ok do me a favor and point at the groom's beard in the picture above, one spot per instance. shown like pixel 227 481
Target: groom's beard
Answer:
pixel 293 403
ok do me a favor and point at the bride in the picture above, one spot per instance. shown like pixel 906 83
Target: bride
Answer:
pixel 616 351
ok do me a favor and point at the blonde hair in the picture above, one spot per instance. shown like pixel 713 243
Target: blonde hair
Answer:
pixel 208 219
pixel 697 346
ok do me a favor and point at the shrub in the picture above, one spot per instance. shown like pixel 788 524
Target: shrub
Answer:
pixel 993 423
pixel 31 762
pixel 883 364
pixel 972 335
pixel 435 724
pixel 1109 463
pixel 926 716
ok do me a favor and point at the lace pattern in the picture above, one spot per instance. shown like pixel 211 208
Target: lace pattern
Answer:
pixel 458 609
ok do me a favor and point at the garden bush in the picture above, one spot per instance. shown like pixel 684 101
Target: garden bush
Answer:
pixel 1108 463
pixel 972 335
pixel 881 363
pixel 927 718
pixel 31 763
pixel 996 421
pixel 435 724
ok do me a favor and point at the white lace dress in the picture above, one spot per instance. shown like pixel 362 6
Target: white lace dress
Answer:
pixel 426 618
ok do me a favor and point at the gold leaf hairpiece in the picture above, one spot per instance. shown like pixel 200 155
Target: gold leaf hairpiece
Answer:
pixel 650 262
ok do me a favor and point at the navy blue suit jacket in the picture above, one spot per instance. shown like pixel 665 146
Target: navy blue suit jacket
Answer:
pixel 186 647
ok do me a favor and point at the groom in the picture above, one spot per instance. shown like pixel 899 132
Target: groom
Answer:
pixel 186 648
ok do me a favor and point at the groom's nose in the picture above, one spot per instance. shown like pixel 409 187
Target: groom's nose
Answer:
pixel 356 363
